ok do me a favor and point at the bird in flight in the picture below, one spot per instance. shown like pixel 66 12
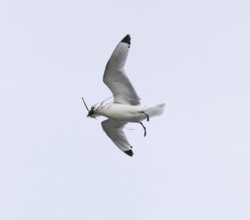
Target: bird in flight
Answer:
pixel 125 107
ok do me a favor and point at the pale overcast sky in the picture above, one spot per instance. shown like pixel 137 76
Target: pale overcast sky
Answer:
pixel 194 163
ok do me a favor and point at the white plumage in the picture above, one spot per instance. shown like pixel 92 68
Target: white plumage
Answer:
pixel 125 107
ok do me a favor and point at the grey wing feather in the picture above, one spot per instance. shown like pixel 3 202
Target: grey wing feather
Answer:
pixel 115 78
pixel 116 134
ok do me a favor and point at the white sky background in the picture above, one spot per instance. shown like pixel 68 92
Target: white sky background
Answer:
pixel 57 164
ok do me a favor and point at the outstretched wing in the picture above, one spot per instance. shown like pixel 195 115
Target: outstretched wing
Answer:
pixel 114 76
pixel 114 131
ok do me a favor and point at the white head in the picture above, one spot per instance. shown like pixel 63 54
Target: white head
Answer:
pixel 93 112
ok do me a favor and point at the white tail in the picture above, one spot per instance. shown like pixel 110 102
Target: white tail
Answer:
pixel 155 110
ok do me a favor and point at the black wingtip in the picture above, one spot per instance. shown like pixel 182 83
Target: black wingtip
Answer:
pixel 129 152
pixel 126 39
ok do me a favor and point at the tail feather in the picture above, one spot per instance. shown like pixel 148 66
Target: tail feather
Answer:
pixel 155 110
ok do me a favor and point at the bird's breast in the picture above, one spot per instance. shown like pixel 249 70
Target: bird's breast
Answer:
pixel 124 113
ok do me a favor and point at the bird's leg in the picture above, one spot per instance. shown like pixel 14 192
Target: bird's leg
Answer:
pixel 145 131
pixel 145 114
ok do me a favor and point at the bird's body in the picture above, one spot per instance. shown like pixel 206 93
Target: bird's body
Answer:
pixel 122 113
pixel 127 113
pixel 125 107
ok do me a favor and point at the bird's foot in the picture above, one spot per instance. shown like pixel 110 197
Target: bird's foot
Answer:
pixel 145 131
pixel 145 114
